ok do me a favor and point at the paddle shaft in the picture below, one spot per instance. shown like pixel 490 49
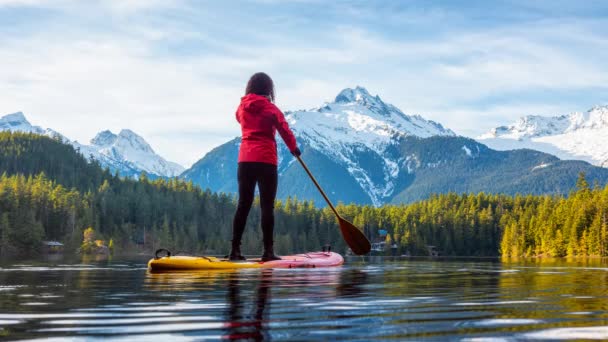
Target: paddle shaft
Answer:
pixel 318 187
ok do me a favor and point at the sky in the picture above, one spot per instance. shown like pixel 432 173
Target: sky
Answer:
pixel 173 71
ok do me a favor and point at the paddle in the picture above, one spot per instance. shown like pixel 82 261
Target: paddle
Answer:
pixel 355 239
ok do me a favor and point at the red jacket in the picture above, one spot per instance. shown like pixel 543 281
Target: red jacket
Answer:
pixel 260 119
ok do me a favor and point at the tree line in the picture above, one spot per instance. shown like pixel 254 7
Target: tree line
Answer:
pixel 143 215
pixel 493 224
pixel 48 191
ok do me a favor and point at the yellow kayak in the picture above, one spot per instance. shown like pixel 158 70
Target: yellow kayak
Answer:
pixel 305 260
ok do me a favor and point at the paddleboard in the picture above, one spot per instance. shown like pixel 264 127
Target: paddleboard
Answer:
pixel 305 260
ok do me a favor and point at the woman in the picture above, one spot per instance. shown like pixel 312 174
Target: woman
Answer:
pixel 257 163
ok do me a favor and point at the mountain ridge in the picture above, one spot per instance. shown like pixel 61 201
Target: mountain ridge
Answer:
pixel 574 136
pixel 359 126
pixel 366 151
pixel 126 153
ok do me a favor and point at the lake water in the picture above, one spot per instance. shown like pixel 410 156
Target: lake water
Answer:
pixel 393 299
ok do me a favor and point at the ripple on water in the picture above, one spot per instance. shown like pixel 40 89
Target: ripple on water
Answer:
pixel 32 316
pixel 49 295
pixel 147 303
pixel 8 288
pixel 582 333
pixel 341 308
pixel 131 338
pixel 495 322
pixel 490 270
pixel 122 321
pixel 487 339
pixel 138 329
pixel 416 301
pixel 373 302
pixel 76 265
pixel 580 313
pixel 169 307
pixel 48 269
pixel 504 302
pixel 35 303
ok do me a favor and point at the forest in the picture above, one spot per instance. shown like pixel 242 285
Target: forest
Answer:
pixel 48 191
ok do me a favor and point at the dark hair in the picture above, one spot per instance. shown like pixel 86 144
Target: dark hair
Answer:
pixel 260 84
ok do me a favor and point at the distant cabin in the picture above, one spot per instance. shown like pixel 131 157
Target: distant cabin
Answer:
pixel 433 251
pixel 378 247
pixel 52 246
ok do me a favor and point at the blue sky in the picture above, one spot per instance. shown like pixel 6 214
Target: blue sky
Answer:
pixel 174 71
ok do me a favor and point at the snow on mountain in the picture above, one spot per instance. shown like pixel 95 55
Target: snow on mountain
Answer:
pixel 356 117
pixel 363 150
pixel 129 147
pixel 358 125
pixel 17 122
pixel 126 152
pixel 579 136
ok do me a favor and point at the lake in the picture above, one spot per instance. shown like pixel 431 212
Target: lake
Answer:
pixel 378 298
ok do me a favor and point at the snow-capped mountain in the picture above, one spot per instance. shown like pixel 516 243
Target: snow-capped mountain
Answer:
pixel 129 149
pixel 355 139
pixel 365 151
pixel 17 122
pixel 357 128
pixel 126 152
pixel 358 118
pixel 353 143
pixel 578 136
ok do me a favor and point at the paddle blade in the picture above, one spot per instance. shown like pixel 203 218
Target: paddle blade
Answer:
pixel 354 237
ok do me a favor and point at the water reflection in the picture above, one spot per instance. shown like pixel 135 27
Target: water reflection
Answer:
pixel 239 324
pixel 397 300
pixel 248 294
pixel 352 283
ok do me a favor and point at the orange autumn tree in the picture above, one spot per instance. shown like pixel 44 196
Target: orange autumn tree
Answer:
pixel 88 242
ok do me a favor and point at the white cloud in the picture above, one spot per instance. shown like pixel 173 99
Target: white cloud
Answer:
pixel 473 122
pixel 131 6
pixel 18 3
pixel 177 81
pixel 82 87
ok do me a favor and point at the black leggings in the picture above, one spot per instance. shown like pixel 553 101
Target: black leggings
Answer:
pixel 265 176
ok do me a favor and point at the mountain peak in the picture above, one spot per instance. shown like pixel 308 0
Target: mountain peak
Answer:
pixel 134 140
pixel 597 117
pixel 125 132
pixel 129 134
pixel 104 138
pixel 357 117
pixel 531 126
pixel 358 94
pixel 577 135
pixel 124 152
pixel 18 116
pixel 17 122
pixel 129 148
pixel 14 119
pixel 125 137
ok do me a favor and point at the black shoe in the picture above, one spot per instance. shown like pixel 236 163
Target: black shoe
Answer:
pixel 269 256
pixel 235 254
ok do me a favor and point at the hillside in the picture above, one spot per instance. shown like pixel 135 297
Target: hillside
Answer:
pixel 140 216
pixel 125 153
pixel 365 151
pixel 49 191
pixel 30 154
pixel 574 136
